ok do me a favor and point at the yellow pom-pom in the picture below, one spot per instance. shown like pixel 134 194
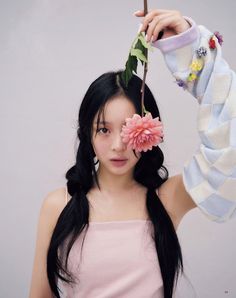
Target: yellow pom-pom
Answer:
pixel 196 65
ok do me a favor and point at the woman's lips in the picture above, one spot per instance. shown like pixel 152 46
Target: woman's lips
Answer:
pixel 118 162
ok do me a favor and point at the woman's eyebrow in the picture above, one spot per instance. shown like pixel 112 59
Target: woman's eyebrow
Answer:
pixel 103 122
pixel 106 122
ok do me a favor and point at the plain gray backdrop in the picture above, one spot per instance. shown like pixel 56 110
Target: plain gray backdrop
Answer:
pixel 50 51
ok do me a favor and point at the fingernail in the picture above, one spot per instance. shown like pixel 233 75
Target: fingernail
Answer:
pixel 146 37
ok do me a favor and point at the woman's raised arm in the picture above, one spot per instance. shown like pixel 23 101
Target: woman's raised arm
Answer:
pixel 194 57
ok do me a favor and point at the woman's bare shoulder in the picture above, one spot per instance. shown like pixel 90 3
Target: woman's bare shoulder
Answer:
pixel 53 203
pixel 51 207
pixel 56 199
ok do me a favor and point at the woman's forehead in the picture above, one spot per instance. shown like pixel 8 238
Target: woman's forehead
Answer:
pixel 116 110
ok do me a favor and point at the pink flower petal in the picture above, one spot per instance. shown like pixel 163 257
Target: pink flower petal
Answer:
pixel 142 133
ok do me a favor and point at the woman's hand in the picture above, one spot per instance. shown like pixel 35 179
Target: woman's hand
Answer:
pixel 171 22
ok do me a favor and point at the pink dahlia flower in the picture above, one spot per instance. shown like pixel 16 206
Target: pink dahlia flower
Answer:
pixel 142 133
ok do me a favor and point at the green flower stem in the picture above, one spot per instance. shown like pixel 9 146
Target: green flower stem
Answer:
pixel 143 82
pixel 145 111
pixel 145 67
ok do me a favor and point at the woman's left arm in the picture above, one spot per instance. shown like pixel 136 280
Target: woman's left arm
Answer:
pixel 193 55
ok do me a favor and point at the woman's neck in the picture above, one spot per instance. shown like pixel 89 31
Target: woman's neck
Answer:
pixel 115 183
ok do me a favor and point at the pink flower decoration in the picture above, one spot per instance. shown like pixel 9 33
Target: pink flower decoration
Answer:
pixel 142 133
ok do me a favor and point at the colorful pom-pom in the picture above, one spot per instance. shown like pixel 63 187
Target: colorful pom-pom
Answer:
pixel 181 83
pixel 219 37
pixel 212 43
pixel 192 77
pixel 196 65
pixel 202 51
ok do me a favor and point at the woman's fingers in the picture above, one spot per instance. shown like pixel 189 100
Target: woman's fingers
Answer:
pixel 158 20
pixel 150 17
pixel 156 25
pixel 139 13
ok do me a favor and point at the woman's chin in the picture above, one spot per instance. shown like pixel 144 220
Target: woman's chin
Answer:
pixel 117 168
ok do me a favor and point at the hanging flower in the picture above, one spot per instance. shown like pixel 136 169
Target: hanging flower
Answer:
pixel 202 51
pixel 212 43
pixel 219 37
pixel 196 65
pixel 142 133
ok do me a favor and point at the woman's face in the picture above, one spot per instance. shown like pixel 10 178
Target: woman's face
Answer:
pixel 113 155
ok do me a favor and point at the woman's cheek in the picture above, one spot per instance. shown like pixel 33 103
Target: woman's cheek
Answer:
pixel 101 147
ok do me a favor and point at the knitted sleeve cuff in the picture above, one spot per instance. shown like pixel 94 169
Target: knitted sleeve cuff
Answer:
pixel 180 40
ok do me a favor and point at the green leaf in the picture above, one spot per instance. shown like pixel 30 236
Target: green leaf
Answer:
pixel 139 54
pixel 135 42
pixel 130 66
pixel 133 63
pixel 140 46
pixel 142 39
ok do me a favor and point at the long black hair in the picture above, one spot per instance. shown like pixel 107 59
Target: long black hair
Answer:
pixel 149 171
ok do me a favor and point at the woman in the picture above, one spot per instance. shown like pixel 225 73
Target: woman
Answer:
pixel 114 236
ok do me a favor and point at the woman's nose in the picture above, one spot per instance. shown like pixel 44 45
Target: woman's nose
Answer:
pixel 117 143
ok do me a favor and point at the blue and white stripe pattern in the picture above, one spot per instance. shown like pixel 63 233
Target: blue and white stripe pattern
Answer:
pixel 210 175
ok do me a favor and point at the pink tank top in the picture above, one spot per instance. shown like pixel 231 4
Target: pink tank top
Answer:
pixel 118 260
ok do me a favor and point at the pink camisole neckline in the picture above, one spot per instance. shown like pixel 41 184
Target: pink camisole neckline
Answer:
pixel 118 260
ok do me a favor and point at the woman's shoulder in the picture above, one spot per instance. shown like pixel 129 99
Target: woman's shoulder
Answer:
pixel 56 198
pixel 51 207
pixel 53 204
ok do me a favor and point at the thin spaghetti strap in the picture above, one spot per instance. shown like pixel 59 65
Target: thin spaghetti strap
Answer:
pixel 66 196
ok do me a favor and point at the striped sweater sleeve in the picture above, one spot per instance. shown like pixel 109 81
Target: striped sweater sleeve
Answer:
pixel 210 174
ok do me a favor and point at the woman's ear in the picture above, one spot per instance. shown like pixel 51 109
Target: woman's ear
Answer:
pixel 95 159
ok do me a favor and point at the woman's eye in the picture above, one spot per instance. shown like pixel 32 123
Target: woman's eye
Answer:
pixel 103 130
